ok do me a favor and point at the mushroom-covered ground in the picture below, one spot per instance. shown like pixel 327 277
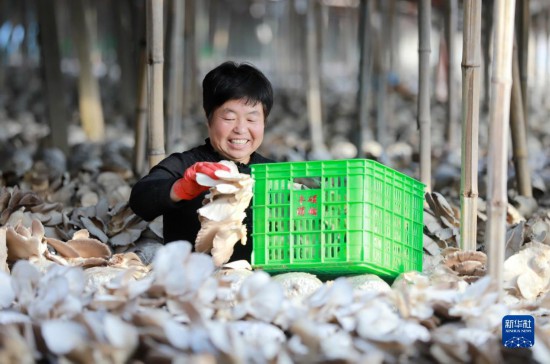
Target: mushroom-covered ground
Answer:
pixel 83 279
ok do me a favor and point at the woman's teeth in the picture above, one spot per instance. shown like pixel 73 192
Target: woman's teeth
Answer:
pixel 238 141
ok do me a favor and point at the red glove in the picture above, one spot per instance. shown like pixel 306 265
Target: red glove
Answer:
pixel 187 187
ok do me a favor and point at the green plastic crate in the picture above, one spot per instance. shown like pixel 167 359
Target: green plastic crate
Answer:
pixel 338 217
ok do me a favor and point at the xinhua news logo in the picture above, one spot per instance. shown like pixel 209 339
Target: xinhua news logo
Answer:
pixel 518 331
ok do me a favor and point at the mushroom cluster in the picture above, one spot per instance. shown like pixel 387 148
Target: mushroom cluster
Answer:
pixel 223 212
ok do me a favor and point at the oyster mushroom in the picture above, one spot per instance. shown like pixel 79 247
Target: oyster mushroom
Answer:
pixel 467 264
pixel 24 243
pixel 79 251
pixel 223 212
pixel 67 339
pixel 528 271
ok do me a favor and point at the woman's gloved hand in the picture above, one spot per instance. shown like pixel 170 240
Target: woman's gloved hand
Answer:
pixel 187 188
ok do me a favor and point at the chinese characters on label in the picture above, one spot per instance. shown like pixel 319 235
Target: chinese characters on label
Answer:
pixel 309 210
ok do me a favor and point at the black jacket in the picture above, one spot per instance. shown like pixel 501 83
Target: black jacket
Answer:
pixel 150 197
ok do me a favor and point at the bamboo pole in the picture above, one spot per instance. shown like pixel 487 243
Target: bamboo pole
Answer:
pixel 174 109
pixel 140 129
pixel 392 59
pixel 424 118
pixel 314 105
pixel 524 25
pixel 51 71
pixel 499 113
pixel 191 70
pixel 451 130
pixel 365 64
pixel 383 37
pixel 91 113
pixel 155 67
pixel 471 71
pixel 140 121
pixel 487 14
pixel 125 55
pixel 541 58
pixel 519 137
pixel 547 39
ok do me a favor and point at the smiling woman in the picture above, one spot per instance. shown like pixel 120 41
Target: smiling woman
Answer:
pixel 237 99
pixel 237 129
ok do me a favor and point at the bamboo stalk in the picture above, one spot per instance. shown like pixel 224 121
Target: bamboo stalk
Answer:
pixel 91 112
pixel 451 131
pixel 487 14
pixel 125 56
pixel 174 108
pixel 140 129
pixel 499 113
pixel 541 57
pixel 155 50
pixel 51 71
pixel 393 63
pixel 471 72
pixel 424 118
pixel 519 137
pixel 524 25
pixel 547 69
pixel 383 37
pixel 191 70
pixel 365 64
pixel 314 105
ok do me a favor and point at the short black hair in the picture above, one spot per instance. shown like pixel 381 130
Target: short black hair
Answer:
pixel 233 81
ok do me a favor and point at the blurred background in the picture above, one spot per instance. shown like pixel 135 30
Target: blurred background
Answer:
pixel 73 73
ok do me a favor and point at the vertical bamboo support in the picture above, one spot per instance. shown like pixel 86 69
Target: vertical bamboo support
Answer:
pixel 487 15
pixel 222 23
pixel 392 59
pixel 424 118
pixel 517 128
pixel 451 132
pixel 314 105
pixel 541 58
pixel 524 24
pixel 191 66
pixel 140 128
pixel 547 39
pixel 140 121
pixel 91 113
pixel 176 81
pixel 155 67
pixel 499 113
pixel 51 71
pixel 125 56
pixel 365 63
pixel 471 69
pixel 381 73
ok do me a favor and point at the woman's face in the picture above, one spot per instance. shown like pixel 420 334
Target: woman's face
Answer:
pixel 236 129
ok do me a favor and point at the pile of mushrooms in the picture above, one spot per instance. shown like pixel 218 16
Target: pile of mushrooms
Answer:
pixel 185 307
